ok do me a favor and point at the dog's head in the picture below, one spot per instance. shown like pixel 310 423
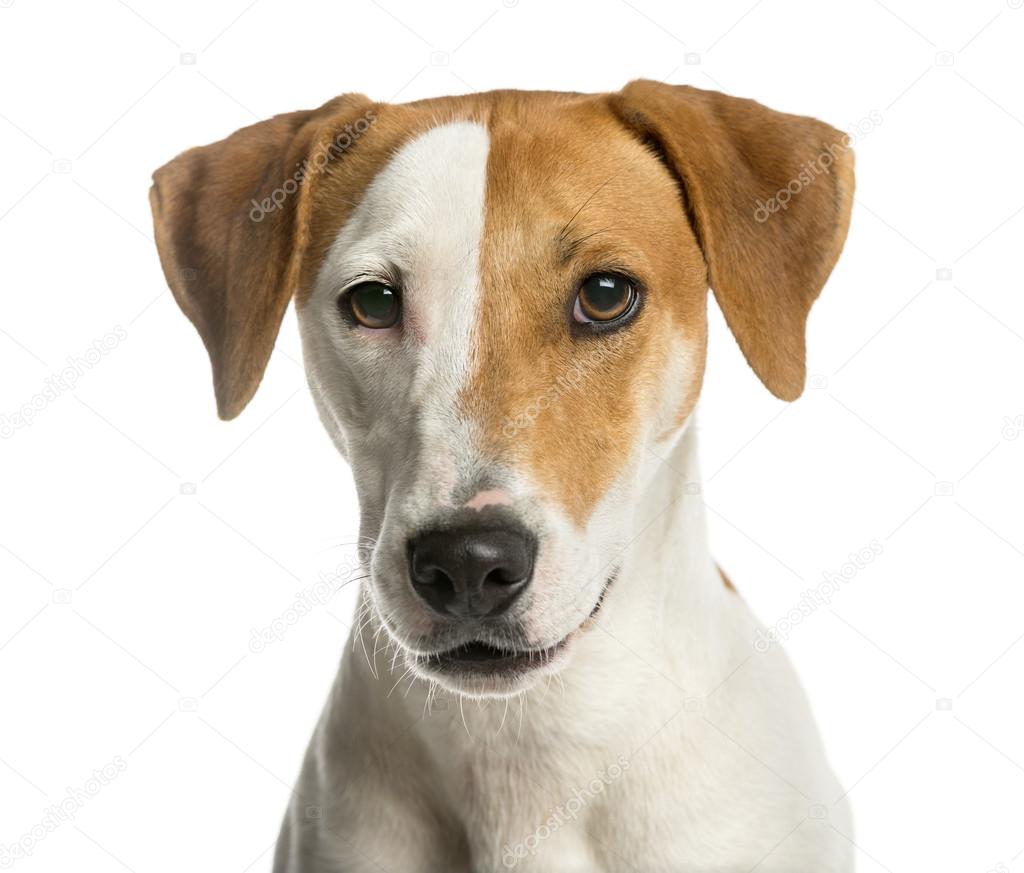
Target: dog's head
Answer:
pixel 502 300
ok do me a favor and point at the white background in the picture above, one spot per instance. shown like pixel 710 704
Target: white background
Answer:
pixel 128 602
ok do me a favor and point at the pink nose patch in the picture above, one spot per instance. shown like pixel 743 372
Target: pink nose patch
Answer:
pixel 491 497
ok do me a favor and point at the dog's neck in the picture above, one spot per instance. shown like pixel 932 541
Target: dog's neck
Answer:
pixel 668 587
pixel 668 556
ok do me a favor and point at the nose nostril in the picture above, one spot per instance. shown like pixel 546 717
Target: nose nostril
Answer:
pixel 503 576
pixel 436 579
pixel 431 582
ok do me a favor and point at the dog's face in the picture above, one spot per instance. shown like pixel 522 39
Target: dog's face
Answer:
pixel 543 323
pixel 502 301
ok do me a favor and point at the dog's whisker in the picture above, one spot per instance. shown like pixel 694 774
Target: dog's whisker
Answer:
pixel 400 678
pixel 522 707
pixel 412 681
pixel 504 715
pixel 369 663
pixel 562 233
pixel 363 543
pixel 367 617
pixel 428 700
pixel 462 712
pixel 360 624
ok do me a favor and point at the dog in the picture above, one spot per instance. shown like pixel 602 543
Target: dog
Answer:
pixel 502 299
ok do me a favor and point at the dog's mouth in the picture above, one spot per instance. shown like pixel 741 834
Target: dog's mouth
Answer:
pixel 483 660
pixel 496 664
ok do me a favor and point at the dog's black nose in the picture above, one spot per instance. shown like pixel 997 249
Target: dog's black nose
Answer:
pixel 470 572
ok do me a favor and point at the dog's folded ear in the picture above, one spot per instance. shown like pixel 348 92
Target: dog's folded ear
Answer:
pixel 769 197
pixel 231 227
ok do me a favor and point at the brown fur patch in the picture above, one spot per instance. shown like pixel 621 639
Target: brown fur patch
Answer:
pixel 726 581
pixel 571 193
pixel 766 268
pixel 231 275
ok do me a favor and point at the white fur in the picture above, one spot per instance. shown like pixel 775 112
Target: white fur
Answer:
pixel 663 741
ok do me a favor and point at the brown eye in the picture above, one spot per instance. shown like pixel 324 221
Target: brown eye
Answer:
pixel 604 297
pixel 373 305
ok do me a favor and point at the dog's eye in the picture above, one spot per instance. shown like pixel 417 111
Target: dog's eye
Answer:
pixel 373 305
pixel 604 297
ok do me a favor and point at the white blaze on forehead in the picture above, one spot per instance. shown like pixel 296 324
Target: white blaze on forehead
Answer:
pixel 422 218
pixel 423 214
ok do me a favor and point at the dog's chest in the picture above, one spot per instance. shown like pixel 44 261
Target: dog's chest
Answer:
pixel 537 808
pixel 590 827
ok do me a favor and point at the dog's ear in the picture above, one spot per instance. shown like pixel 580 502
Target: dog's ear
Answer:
pixel 769 198
pixel 231 227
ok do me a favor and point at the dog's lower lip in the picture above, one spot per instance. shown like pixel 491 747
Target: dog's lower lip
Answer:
pixel 484 659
